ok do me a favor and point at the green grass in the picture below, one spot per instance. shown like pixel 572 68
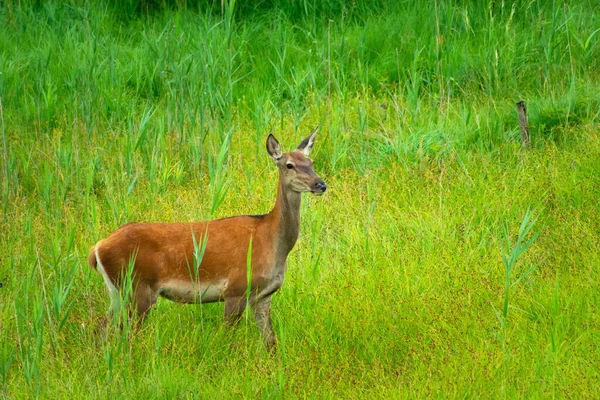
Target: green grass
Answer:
pixel 413 276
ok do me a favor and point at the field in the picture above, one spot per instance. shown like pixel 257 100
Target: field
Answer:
pixel 445 260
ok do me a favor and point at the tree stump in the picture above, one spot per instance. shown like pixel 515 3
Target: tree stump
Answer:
pixel 524 124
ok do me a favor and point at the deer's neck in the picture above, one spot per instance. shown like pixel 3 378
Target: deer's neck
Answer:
pixel 286 216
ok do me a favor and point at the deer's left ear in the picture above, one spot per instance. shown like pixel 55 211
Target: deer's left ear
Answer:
pixel 273 148
pixel 306 145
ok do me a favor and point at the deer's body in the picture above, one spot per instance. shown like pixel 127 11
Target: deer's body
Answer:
pixel 166 255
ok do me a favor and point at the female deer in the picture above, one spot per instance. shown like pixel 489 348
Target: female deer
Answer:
pixel 166 259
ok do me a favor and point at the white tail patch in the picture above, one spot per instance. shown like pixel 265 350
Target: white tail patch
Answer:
pixel 114 293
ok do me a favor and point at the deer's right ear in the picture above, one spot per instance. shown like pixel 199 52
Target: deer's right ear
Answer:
pixel 273 148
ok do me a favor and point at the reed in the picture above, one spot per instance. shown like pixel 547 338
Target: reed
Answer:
pixel 407 269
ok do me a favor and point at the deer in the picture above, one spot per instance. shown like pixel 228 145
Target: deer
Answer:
pixel 163 258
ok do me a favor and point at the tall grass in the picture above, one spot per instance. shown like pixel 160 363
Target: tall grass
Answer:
pixel 114 112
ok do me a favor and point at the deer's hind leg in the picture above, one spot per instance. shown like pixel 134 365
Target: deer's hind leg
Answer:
pixel 145 297
pixel 234 309
pixel 138 302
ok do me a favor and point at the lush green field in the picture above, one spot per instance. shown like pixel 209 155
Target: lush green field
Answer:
pixel 398 286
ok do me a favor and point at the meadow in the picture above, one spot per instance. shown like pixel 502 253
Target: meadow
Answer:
pixel 445 260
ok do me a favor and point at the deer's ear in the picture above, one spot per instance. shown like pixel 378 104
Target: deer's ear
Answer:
pixel 273 148
pixel 306 145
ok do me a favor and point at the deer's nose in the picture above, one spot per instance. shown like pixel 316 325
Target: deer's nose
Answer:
pixel 321 186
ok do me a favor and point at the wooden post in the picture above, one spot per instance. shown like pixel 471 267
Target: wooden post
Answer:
pixel 524 124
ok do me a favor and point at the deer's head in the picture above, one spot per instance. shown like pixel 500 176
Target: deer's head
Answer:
pixel 295 168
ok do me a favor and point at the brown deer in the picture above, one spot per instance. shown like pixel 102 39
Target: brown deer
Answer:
pixel 165 256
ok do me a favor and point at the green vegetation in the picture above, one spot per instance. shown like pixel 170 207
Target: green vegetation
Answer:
pixel 443 261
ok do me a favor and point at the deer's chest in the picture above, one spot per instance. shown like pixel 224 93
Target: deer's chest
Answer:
pixel 273 281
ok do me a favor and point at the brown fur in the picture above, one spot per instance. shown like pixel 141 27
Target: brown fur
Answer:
pixel 165 251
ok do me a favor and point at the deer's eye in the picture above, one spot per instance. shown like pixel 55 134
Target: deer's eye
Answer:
pixel 289 166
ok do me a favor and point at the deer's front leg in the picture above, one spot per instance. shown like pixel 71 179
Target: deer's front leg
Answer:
pixel 262 316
